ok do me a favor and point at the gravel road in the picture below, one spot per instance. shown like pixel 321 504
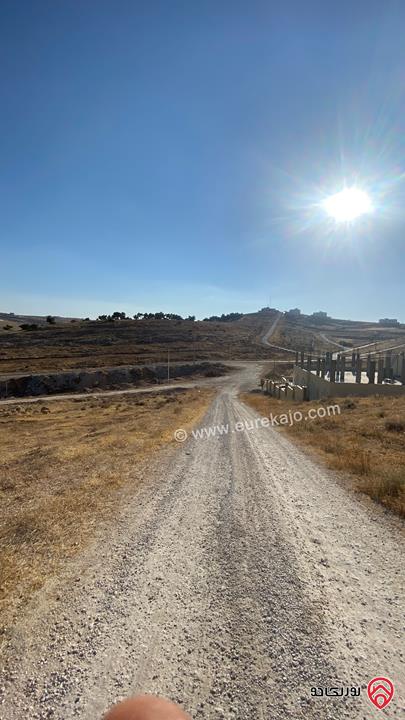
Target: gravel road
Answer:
pixel 239 576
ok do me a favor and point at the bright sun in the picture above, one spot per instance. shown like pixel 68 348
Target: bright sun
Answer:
pixel 348 204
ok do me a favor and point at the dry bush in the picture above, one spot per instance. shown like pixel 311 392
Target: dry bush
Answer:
pixel 354 461
pixel 349 404
pixel 387 487
pixel 396 425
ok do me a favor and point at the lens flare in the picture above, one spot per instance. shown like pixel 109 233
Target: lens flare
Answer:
pixel 348 204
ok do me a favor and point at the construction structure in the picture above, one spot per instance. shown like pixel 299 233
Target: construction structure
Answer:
pixel 336 375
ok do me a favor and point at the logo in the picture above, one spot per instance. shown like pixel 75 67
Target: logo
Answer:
pixel 380 691
pixel 180 435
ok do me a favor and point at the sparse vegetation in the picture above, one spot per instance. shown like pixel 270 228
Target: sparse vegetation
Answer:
pixel 29 326
pixel 146 337
pixel 230 317
pixel 65 467
pixel 107 343
pixel 142 316
pixel 395 425
pixel 366 442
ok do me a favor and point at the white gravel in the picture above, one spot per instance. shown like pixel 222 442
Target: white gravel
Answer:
pixel 238 577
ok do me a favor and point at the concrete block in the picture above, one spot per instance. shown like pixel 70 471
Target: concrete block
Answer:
pixel 289 392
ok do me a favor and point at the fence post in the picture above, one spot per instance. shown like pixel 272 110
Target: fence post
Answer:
pixel 402 371
pixel 380 377
pixel 358 368
pixel 337 375
pixel 388 366
pixel 342 368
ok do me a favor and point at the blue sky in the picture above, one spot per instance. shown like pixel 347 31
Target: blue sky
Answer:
pixel 172 156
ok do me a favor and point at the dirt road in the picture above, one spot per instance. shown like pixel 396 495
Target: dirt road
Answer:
pixel 240 576
pixel 270 332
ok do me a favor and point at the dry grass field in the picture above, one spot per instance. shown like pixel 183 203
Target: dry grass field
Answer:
pixel 366 441
pixel 80 344
pixel 62 469
pixel 107 344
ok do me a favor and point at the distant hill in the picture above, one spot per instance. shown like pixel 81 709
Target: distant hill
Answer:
pixel 71 343
pixel 40 319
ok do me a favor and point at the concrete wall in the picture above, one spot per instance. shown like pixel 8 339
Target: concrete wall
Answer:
pixel 290 392
pixel 300 393
pixel 319 388
pixel 285 391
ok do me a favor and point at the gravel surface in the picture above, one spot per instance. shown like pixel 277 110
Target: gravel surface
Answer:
pixel 239 576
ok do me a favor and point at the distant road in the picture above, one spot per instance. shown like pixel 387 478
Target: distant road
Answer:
pixel 107 393
pixel 332 342
pixel 180 384
pixel 271 331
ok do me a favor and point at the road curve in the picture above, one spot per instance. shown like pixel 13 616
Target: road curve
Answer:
pixel 239 576
pixel 266 337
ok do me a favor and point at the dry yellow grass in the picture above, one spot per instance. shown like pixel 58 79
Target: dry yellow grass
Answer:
pixel 65 346
pixel 61 469
pixel 367 440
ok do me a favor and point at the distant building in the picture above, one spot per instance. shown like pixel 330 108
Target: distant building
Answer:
pixel 320 315
pixel 295 312
pixel 389 322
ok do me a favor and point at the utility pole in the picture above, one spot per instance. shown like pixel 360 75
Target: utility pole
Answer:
pixel 168 365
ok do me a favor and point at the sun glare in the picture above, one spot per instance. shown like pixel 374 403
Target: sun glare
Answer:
pixel 348 204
